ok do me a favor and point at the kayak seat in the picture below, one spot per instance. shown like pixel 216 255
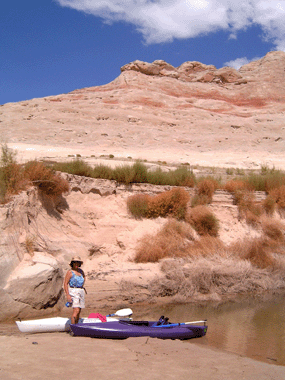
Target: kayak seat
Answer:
pixel 136 323
pixel 162 321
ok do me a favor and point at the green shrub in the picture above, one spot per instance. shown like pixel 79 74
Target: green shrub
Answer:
pixel 76 167
pixel 140 172
pixel 138 205
pixel 181 176
pixel 158 177
pixel 137 173
pixel 123 174
pixel 102 171
pixel 268 180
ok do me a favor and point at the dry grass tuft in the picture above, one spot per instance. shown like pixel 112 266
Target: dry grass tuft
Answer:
pixel 204 192
pixel 15 177
pixel 251 218
pixel 269 205
pixel 212 278
pixel 30 244
pixel 177 239
pixel 248 208
pixel 203 220
pixel 207 187
pixel 45 179
pixel 12 180
pixel 278 195
pixel 258 251
pixel 171 241
pixel 207 246
pixel 170 203
pixel 234 185
pixel 273 229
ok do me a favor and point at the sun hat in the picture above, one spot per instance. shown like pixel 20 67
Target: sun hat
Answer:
pixel 76 258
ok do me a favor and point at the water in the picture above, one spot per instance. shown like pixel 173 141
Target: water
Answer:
pixel 251 327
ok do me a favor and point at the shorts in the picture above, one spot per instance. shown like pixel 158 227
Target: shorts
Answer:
pixel 78 297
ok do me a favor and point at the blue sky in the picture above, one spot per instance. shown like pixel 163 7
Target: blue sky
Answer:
pixel 50 47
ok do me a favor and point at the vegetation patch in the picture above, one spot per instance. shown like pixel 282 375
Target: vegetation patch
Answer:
pixel 15 177
pixel 171 241
pixel 136 173
pixel 212 279
pixel 169 203
pixel 203 220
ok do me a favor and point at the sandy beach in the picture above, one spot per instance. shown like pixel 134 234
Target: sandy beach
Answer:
pixel 61 356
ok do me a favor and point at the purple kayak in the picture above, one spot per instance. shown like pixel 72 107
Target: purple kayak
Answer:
pixel 126 329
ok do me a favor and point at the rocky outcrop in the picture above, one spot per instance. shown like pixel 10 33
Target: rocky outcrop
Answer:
pixel 87 185
pixel 36 282
pixel 31 278
pixel 187 72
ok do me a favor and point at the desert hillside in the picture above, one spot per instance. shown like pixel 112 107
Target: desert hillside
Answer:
pixel 192 114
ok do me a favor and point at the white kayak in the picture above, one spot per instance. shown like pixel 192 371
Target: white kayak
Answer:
pixel 56 324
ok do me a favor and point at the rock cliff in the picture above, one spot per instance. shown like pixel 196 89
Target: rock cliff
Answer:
pixel 38 239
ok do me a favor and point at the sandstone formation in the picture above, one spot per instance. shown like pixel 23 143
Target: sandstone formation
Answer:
pixel 38 239
pixel 194 113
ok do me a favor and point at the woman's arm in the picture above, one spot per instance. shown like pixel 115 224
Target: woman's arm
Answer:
pixel 65 285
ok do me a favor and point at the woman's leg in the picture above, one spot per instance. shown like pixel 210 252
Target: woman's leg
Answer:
pixel 75 315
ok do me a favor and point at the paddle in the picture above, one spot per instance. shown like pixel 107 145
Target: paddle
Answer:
pixel 182 324
pixel 118 313
pixel 121 313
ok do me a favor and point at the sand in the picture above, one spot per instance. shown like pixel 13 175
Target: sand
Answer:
pixel 61 356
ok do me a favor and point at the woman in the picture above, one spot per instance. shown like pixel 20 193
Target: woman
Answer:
pixel 73 287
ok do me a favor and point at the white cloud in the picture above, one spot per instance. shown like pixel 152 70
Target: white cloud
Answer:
pixel 239 62
pixel 163 20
